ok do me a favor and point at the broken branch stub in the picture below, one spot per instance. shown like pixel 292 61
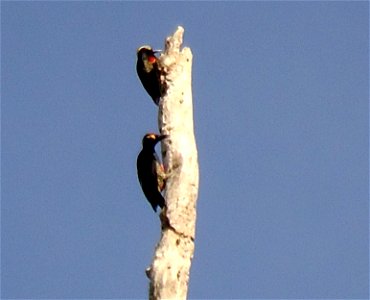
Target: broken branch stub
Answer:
pixel 175 119
pixel 169 272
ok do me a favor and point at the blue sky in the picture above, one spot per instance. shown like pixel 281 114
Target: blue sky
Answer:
pixel 280 94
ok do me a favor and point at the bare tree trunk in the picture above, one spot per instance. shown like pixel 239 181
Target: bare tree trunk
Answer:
pixel 169 271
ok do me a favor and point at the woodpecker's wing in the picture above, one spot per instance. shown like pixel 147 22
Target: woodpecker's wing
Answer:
pixel 147 174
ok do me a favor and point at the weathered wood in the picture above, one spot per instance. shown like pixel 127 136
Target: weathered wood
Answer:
pixel 169 272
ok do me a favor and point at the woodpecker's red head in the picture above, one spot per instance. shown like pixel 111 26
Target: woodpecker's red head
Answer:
pixel 147 54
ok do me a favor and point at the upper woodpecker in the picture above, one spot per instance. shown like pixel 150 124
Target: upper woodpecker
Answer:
pixel 150 171
pixel 147 70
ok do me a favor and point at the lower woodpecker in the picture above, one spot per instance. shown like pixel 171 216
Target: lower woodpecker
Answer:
pixel 150 171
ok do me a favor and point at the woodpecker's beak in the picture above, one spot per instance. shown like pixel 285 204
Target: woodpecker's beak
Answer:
pixel 161 137
pixel 158 51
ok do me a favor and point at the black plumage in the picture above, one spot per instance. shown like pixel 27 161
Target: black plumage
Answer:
pixel 150 171
pixel 148 72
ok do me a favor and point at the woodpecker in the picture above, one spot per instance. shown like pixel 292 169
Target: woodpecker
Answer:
pixel 147 70
pixel 150 171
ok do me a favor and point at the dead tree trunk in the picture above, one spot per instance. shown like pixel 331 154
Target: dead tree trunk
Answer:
pixel 169 271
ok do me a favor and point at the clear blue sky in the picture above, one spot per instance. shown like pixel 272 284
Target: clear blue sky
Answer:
pixel 280 92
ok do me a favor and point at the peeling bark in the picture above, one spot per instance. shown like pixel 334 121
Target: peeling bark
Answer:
pixel 169 271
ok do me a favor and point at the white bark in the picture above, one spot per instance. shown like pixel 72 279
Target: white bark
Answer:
pixel 169 272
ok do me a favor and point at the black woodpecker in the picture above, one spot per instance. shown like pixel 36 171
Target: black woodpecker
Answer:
pixel 147 70
pixel 150 171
